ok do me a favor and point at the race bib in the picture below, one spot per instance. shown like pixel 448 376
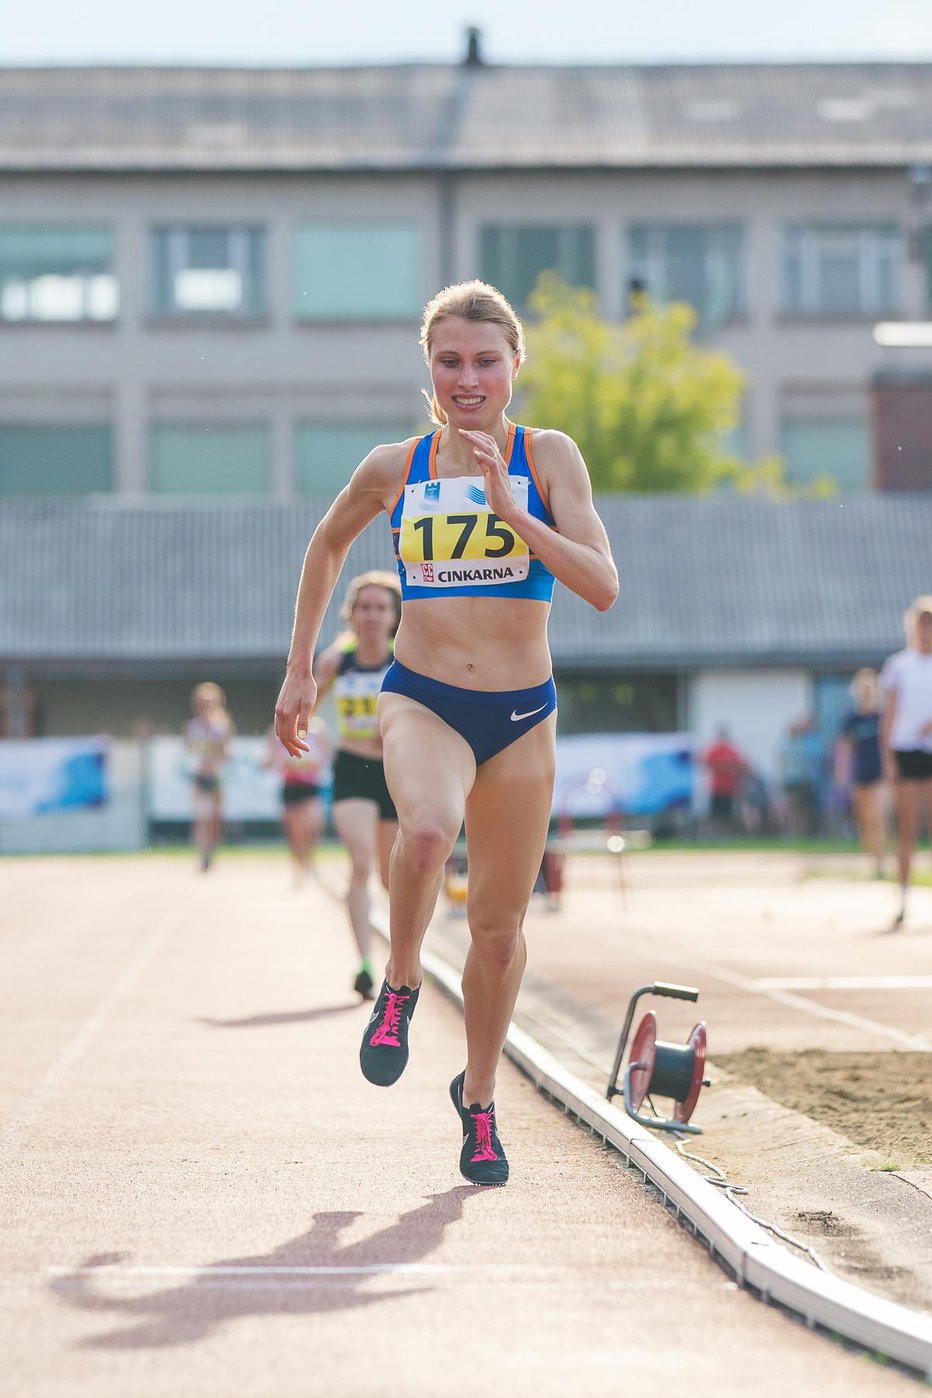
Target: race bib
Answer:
pixel 357 703
pixel 450 537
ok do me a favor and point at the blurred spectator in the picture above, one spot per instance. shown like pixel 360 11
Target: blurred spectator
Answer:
pixel 906 735
pixel 755 809
pixel 727 768
pixel 859 767
pixel 802 762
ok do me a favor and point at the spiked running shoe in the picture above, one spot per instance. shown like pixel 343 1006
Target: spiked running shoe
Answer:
pixel 364 984
pixel 482 1160
pixel 384 1052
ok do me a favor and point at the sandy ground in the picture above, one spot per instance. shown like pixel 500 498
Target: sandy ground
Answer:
pixel 199 1195
pixel 881 1101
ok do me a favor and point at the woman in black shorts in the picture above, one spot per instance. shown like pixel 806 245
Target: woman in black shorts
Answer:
pixel 363 812
pixel 302 782
pixel 207 738
pixel 859 762
pixel 906 679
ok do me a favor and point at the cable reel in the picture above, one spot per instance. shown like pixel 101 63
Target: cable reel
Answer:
pixel 656 1068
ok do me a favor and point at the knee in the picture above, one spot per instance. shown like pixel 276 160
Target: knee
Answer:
pixel 427 843
pixel 498 941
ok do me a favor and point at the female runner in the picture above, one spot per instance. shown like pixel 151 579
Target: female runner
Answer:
pixel 207 738
pixel 906 736
pixel 859 762
pixel 484 514
pixel 363 812
pixel 302 780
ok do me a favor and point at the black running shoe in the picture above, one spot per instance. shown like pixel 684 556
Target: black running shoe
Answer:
pixel 482 1160
pixel 384 1052
pixel 364 985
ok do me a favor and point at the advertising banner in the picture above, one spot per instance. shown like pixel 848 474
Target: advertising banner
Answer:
pixel 250 790
pixel 43 775
pixel 643 774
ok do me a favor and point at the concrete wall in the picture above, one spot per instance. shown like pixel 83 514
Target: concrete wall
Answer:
pixel 757 707
pixel 127 707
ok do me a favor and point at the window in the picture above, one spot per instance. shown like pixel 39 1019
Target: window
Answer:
pixel 326 456
pixel 204 270
pixel 59 460
pixel 617 703
pixel 834 270
pixel 838 447
pixel 56 273
pixel 701 265
pixel 513 257
pixel 358 271
pixel 209 459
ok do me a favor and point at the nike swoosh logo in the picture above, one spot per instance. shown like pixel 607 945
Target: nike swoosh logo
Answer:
pixel 516 718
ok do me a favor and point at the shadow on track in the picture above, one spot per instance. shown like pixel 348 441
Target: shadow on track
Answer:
pixel 189 1312
pixel 285 1017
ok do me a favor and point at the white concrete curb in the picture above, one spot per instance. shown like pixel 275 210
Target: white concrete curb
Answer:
pixel 757 1260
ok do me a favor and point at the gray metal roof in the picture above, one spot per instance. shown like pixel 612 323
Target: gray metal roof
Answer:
pixel 462 117
pixel 716 580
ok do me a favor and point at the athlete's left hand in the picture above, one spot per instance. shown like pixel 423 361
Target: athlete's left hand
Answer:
pixel 498 491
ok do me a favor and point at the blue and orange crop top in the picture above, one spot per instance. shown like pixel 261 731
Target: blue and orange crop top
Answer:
pixel 448 542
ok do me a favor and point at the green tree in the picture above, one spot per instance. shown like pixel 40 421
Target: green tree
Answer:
pixel 649 408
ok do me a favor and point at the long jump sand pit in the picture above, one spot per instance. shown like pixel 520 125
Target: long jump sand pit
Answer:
pixel 882 1101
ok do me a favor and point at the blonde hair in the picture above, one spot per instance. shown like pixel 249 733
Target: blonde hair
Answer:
pixel 921 607
pixel 475 301
pixel 214 697
pixel 374 578
pixel 211 693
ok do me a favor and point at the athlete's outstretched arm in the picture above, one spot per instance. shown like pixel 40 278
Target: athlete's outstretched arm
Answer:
pixel 578 552
pixel 357 505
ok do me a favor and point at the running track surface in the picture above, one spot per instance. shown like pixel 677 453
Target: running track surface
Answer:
pixel 201 1196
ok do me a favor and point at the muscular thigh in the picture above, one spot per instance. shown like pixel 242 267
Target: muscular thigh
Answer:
pixel 429 768
pixel 507 818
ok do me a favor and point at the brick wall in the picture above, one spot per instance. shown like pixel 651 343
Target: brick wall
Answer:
pixel 901 420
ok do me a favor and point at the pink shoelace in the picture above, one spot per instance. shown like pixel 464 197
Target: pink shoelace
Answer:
pixel 387 1032
pixel 484 1147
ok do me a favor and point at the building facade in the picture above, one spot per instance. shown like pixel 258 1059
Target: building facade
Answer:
pixel 210 289
pixel 211 280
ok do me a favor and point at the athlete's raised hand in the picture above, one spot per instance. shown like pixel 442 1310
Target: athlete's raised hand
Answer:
pixel 498 491
pixel 293 712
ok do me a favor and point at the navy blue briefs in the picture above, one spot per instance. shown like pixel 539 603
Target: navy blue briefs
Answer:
pixel 489 720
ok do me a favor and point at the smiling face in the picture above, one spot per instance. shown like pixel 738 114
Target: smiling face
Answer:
pixel 472 367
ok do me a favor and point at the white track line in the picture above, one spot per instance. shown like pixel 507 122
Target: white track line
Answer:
pixel 16 1129
pixel 843 983
pixel 812 1007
